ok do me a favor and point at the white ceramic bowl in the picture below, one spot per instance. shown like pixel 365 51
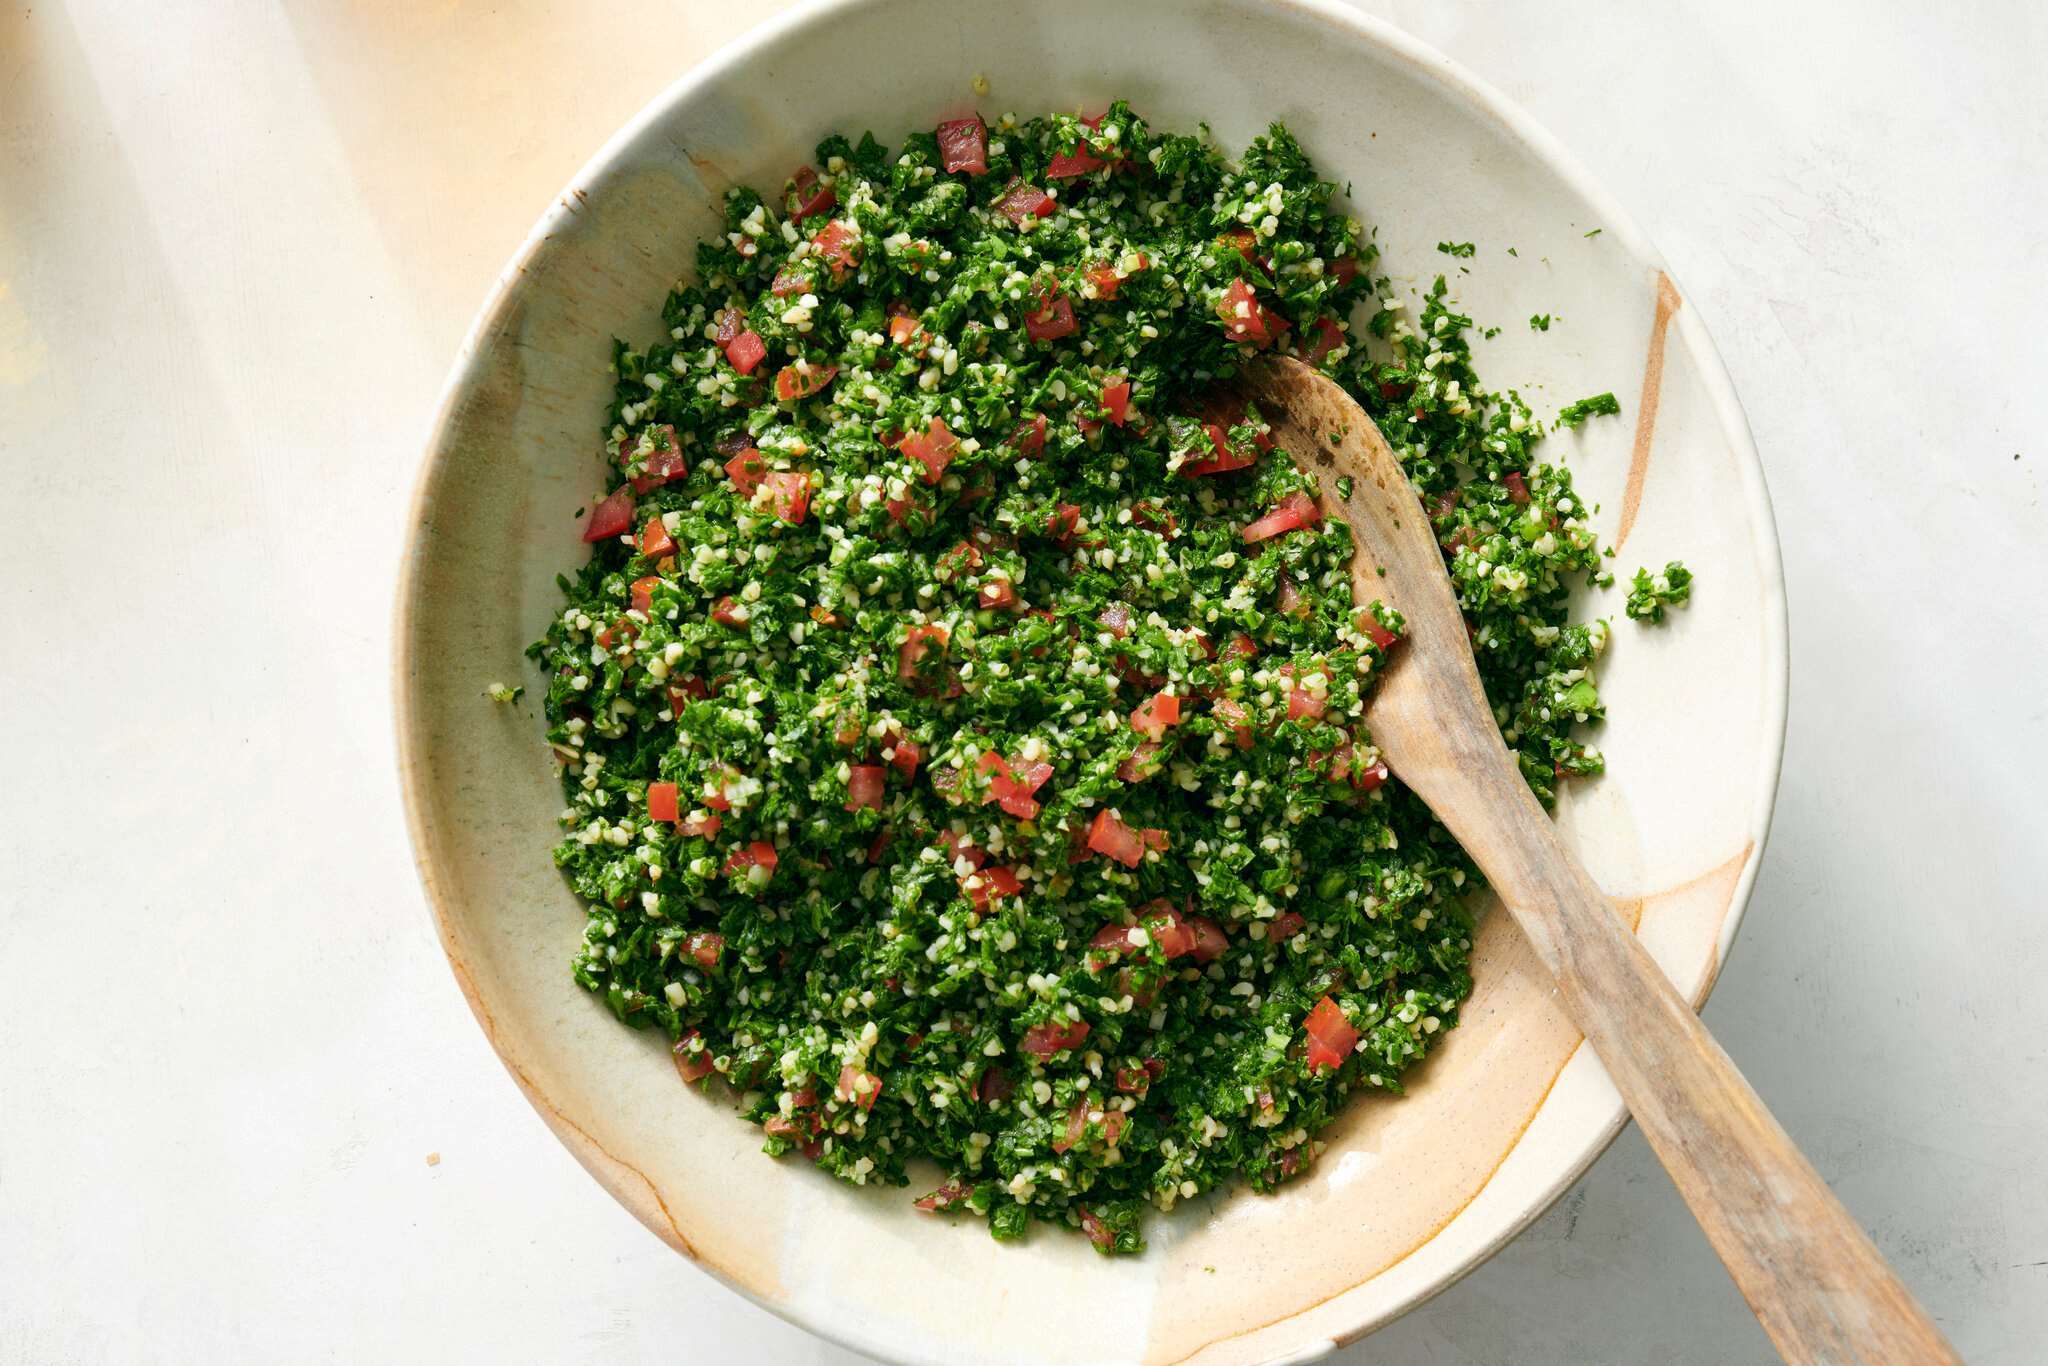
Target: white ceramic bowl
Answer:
pixel 1415 1191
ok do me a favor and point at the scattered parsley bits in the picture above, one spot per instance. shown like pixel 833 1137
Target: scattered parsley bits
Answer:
pixel 1540 321
pixel 961 716
pixel 1599 405
pixel 1460 249
pixel 1649 594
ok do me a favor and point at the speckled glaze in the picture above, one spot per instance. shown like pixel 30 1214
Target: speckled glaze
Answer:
pixel 1413 1192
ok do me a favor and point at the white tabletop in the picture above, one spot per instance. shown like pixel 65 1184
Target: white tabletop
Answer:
pixel 238 246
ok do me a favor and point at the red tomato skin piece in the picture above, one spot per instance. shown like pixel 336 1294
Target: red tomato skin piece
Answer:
pixel 963 145
pixel 1053 320
pixel 1116 400
pixel 612 517
pixel 746 351
pixel 662 804
pixel 864 787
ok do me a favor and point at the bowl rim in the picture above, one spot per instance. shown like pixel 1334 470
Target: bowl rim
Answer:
pixel 624 1183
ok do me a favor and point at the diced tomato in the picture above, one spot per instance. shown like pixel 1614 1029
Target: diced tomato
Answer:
pixel 986 884
pixel 611 517
pixel 997 594
pixel 1053 320
pixel 1367 779
pixel 1133 1080
pixel 838 247
pixel 1518 489
pixel 1210 942
pixel 934 448
pixel 1174 935
pixel 807 197
pixel 1020 201
pixel 1369 626
pixel 745 471
pixel 693 1061
pixel 681 694
pixel 1243 317
pixel 1109 941
pixel 1098 1232
pixel 1284 927
pixel 789 280
pixel 905 331
pixel 1115 619
pixel 708 826
pixel 792 382
pixel 963 145
pixel 1329 336
pixel 857 1087
pixel 705 946
pixel 1116 400
pixel 1143 763
pixel 746 351
pixel 1303 704
pixel 864 787
pixel 1297 509
pixel 1345 268
pixel 759 854
pixel 914 649
pixel 1289 599
pixel 726 612
pixel 643 591
pixel 623 630
pixel 731 322
pixel 655 540
pixel 1067 165
pixel 963 558
pixel 661 802
pixel 1110 837
pixel 1029 438
pixel 789 494
pixel 664 459
pixel 1225 457
pixel 1155 714
pixel 1044 1040
pixel 953 1194
pixel 1330 1036
pixel 1012 787
pixel 1077 1125
pixel 994 1084
pixel 908 754
pixel 1104 280
pixel 1065 520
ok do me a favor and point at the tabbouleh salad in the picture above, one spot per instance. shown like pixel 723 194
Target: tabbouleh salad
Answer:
pixel 962 723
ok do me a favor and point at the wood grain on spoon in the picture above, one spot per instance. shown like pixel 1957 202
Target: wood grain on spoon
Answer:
pixel 1820 1288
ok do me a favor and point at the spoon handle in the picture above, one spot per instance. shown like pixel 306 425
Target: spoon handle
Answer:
pixel 1820 1288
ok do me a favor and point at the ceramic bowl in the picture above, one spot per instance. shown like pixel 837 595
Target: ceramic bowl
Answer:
pixel 1414 1192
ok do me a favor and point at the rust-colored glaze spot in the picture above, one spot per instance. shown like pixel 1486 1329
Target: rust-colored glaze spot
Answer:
pixel 1646 405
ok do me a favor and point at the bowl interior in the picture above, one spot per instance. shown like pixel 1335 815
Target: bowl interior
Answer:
pixel 1414 1191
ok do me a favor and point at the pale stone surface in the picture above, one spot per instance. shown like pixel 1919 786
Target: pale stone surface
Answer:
pixel 238 245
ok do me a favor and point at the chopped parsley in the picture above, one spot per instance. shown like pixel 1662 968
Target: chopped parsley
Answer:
pixel 1649 594
pixel 1599 405
pixel 946 773
pixel 1461 249
pixel 1540 321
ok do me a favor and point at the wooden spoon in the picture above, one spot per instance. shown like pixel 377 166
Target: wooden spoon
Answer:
pixel 1822 1291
